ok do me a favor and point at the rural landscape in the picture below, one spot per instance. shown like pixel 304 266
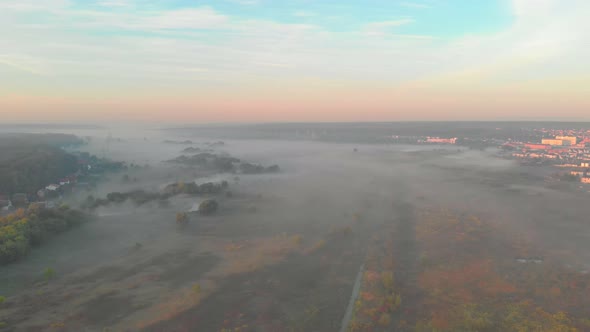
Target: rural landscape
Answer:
pixel 176 231
pixel 294 166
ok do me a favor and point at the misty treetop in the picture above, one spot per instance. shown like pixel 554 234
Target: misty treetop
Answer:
pixel 247 168
pixel 223 163
pixel 208 160
pixel 54 140
pixel 208 207
pixel 30 162
pixel 185 142
pixel 193 188
pixel 141 197
pixel 191 150
pixel 27 168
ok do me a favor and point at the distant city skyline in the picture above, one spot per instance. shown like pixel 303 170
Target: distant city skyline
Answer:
pixel 294 61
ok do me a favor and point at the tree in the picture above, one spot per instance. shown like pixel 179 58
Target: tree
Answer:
pixel 181 218
pixel 208 207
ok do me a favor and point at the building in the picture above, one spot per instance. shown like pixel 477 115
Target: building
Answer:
pixel 585 180
pixel 5 204
pixel 52 187
pixel 552 141
pixel 567 140
pixel 584 164
pixel 558 150
pixel 20 200
pixel 532 146
pixel 439 140
pixel 41 193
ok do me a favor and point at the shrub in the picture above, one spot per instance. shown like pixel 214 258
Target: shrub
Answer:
pixel 341 231
pixel 387 280
pixel 319 245
pixel 49 273
pixel 208 207
pixel 385 320
pixel 181 218
pixel 297 239
pixel 196 288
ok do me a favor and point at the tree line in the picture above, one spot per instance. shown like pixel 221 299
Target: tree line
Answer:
pixel 26 228
pixel 140 197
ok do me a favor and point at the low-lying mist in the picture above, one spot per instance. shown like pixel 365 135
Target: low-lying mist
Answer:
pixel 131 264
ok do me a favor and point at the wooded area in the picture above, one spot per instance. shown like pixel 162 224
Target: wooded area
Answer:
pixel 23 229
pixel 30 162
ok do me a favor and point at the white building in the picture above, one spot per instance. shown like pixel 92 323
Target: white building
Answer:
pixel 571 140
pixel 52 187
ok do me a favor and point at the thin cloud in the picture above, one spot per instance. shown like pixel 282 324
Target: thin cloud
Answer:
pixel 384 27
pixel 21 63
pixel 246 2
pixel 415 5
pixel 303 13
pixel 198 18
pixel 388 24
pixel 114 3
pixel 149 21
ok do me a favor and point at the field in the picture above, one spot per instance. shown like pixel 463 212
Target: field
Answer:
pixel 441 242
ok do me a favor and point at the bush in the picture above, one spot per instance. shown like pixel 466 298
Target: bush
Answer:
pixel 297 239
pixel 49 273
pixel 385 320
pixel 208 207
pixel 196 289
pixel 181 219
pixel 319 245
pixel 387 280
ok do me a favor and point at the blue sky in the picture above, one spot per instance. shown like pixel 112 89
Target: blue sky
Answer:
pixel 439 18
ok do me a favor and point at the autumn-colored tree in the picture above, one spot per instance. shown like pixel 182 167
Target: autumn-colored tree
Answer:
pixel 181 218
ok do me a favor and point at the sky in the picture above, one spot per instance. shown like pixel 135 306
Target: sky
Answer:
pixel 181 61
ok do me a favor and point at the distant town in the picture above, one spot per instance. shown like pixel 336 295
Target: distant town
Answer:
pixel 566 150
